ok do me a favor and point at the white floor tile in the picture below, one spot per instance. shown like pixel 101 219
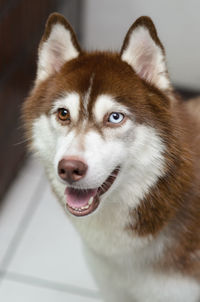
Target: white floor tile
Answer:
pixel 16 203
pixel 18 292
pixel 51 249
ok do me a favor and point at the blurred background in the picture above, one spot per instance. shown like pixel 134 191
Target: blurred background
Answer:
pixel 98 25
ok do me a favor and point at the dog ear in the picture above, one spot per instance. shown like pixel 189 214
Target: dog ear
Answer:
pixel 144 52
pixel 58 45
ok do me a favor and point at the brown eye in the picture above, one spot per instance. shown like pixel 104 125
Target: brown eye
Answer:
pixel 63 114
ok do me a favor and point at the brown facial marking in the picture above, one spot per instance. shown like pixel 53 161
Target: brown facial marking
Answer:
pixel 112 76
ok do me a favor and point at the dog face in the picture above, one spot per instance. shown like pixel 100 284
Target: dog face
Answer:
pixel 98 120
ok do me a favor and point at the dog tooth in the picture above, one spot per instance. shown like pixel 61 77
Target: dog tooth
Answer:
pixel 90 201
pixel 85 207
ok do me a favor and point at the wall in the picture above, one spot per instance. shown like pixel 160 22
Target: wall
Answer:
pixel 177 21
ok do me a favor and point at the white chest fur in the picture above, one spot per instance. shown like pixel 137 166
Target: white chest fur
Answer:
pixel 123 263
pixel 106 230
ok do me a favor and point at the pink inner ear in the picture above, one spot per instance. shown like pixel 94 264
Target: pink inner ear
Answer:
pixel 55 51
pixel 57 60
pixel 146 57
pixel 146 66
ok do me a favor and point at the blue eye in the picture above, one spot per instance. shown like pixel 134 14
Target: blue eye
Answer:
pixel 115 117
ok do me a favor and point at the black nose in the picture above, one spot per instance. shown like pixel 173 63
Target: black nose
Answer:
pixel 71 170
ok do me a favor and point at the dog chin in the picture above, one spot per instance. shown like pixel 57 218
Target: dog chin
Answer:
pixel 82 202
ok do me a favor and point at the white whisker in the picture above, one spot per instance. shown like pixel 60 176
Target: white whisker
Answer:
pixel 22 142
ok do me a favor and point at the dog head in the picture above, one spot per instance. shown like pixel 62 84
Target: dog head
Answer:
pixel 100 121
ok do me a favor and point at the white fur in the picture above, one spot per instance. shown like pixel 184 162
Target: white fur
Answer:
pixel 106 104
pixel 129 276
pixel 146 58
pixel 71 102
pixel 54 52
pixel 87 94
pixel 121 261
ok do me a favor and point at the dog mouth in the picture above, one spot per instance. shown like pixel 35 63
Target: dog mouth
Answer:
pixel 82 202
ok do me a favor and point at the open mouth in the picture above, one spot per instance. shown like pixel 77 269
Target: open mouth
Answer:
pixel 81 202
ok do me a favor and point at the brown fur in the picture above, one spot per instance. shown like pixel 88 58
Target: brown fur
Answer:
pixel 173 205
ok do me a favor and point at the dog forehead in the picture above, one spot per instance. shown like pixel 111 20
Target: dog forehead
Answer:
pixel 97 75
pixel 88 76
pixel 107 73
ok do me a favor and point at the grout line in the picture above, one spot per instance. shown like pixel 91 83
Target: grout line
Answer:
pixel 22 226
pixel 38 282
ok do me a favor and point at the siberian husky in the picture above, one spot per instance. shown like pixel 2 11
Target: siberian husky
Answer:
pixel 122 154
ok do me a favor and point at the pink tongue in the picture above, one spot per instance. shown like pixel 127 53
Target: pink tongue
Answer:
pixel 79 198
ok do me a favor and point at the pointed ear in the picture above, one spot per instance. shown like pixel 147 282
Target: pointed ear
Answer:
pixel 58 45
pixel 143 50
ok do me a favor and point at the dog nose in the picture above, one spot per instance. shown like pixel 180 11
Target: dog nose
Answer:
pixel 71 170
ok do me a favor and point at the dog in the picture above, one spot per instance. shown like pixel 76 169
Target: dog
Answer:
pixel 121 151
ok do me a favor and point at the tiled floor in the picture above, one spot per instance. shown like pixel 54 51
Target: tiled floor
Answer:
pixel 40 252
